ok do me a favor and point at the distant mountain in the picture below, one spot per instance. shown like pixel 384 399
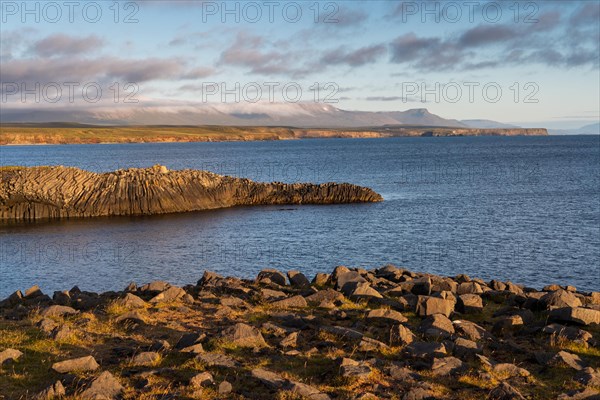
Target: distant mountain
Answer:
pixel 487 124
pixel 591 129
pixel 307 115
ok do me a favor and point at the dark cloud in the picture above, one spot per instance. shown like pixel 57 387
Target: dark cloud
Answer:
pixel 588 13
pixel 427 54
pixel 409 47
pixel 483 35
pixel 347 17
pixel 65 45
pixel 254 52
pixel 45 71
pixel 358 57
pixel 547 21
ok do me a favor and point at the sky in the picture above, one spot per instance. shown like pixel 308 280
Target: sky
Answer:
pixel 531 63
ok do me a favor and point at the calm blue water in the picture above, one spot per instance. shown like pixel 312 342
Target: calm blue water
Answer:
pixel 524 209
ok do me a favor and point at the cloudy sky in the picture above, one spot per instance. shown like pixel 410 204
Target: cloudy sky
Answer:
pixel 531 63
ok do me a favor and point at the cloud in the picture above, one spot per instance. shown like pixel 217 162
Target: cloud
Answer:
pixel 486 35
pixel 588 13
pixel 409 47
pixel 347 17
pixel 49 70
pixel 427 54
pixel 253 52
pixel 358 57
pixel 64 45
pixel 198 73
pixel 384 98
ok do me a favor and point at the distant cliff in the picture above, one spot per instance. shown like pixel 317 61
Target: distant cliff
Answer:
pixel 35 193
pixel 89 134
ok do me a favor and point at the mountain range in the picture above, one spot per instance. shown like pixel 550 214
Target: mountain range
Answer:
pixel 307 115
pixel 303 115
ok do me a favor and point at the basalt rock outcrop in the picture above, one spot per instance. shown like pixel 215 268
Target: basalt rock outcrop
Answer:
pixel 37 193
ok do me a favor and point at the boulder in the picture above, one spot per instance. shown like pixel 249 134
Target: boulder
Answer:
pixel 497 285
pixel 217 360
pixel 270 294
pixel 469 303
pixel 325 295
pixel 62 298
pixel 58 311
pixel 298 279
pixel 425 350
pixel 105 387
pixel 345 278
pixel 290 340
pixel 446 366
pixel 369 344
pixel 224 388
pixel 576 315
pixel 47 325
pixel 588 377
pixel 566 359
pixel 273 275
pixel 131 317
pixel 276 381
pixel 82 364
pixel 508 370
pixel 421 286
pixel 570 333
pixel 209 278
pixel 54 391
pixel 146 358
pixel 33 292
pixel 12 300
pixel 466 349
pixel 428 305
pixel 343 332
pixel 202 379
pixel 360 291
pixel 8 356
pixel 156 286
pixel 385 316
pixel 354 369
pixel 437 327
pixel 131 301
pixel 469 288
pixel 291 302
pixel 560 299
pixel 244 335
pixel 401 335
pixel 507 325
pixel 173 293
pixel 321 279
pixel 505 392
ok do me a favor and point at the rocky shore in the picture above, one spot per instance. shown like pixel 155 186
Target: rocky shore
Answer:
pixel 41 193
pixel 386 333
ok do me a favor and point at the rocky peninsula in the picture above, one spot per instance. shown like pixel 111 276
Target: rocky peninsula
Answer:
pixel 385 333
pixel 41 193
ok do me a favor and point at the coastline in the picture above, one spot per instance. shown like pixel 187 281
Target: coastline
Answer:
pixel 15 134
pixel 386 333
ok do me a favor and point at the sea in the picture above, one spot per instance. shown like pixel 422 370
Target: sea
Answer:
pixel 524 209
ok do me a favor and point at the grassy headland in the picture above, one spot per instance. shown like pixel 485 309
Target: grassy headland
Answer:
pixel 64 133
